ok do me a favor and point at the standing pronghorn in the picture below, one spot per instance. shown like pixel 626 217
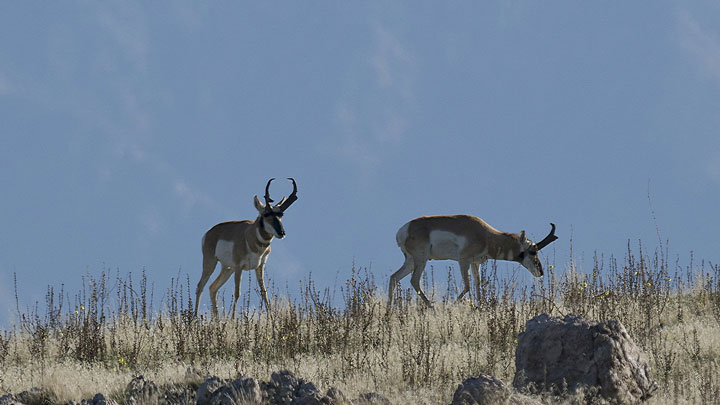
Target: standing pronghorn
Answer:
pixel 242 245
pixel 465 238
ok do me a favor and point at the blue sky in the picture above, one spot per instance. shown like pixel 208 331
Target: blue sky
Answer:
pixel 127 129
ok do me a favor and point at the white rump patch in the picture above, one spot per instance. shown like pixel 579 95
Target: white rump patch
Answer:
pixel 224 252
pixel 446 245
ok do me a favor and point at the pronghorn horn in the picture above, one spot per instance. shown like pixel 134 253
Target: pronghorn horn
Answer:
pixel 268 200
pixel 548 239
pixel 291 199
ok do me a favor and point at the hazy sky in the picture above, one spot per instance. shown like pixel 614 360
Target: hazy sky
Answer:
pixel 128 129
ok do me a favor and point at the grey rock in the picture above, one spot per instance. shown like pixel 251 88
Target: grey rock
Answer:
pixel 595 358
pixel 206 390
pixel 285 388
pixel 372 398
pixel 177 394
pixel 98 399
pixel 481 390
pixel 9 399
pixel 338 397
pixel 241 391
pixel 141 391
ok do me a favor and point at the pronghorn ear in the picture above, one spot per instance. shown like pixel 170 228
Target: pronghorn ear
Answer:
pixel 523 238
pixel 258 204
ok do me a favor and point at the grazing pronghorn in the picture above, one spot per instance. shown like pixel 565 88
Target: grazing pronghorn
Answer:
pixel 242 245
pixel 465 238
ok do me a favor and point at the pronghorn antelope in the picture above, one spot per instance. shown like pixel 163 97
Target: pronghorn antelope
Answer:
pixel 467 239
pixel 242 245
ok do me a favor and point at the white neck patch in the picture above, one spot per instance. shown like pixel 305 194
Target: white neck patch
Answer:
pixel 260 238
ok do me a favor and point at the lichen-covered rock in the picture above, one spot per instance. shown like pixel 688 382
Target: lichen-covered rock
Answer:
pixel 98 399
pixel 285 388
pixel 141 391
pixel 206 390
pixel 245 390
pixel 572 353
pixel 9 399
pixel 481 390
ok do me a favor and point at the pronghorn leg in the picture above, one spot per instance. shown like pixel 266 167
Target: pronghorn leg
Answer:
pixel 225 274
pixel 476 277
pixel 209 263
pixel 415 280
pixel 260 275
pixel 238 279
pixel 464 271
pixel 404 270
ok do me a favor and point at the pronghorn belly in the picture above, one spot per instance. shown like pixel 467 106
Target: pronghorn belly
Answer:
pixel 445 245
pixel 224 253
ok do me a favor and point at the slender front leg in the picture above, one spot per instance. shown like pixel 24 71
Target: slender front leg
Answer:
pixel 260 275
pixel 476 277
pixel 238 279
pixel 464 271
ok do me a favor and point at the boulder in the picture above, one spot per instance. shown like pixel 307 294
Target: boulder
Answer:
pixel 338 397
pixel 9 399
pixel 244 390
pixel 486 389
pixel 595 358
pixel 141 391
pixel 481 390
pixel 98 399
pixel 285 388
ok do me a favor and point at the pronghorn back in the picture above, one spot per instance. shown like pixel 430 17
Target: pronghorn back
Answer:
pixel 446 236
pixel 465 238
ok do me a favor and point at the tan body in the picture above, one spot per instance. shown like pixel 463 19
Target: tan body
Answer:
pixel 467 239
pixel 240 246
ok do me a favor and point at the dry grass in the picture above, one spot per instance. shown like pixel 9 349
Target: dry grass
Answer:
pixel 96 340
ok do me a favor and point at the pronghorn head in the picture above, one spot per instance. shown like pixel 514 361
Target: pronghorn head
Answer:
pixel 270 216
pixel 528 256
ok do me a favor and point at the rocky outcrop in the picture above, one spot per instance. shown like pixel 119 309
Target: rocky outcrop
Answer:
pixel 283 388
pixel 481 390
pixel 488 390
pixel 577 355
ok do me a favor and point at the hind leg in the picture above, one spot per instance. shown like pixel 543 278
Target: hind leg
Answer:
pixel 415 280
pixel 225 274
pixel 404 270
pixel 209 263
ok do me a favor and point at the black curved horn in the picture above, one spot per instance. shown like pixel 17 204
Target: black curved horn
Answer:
pixel 548 239
pixel 291 199
pixel 268 200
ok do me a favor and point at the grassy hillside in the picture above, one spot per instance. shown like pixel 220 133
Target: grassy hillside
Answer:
pixel 95 340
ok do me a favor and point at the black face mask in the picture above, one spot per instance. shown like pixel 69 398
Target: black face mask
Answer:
pixel 275 222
